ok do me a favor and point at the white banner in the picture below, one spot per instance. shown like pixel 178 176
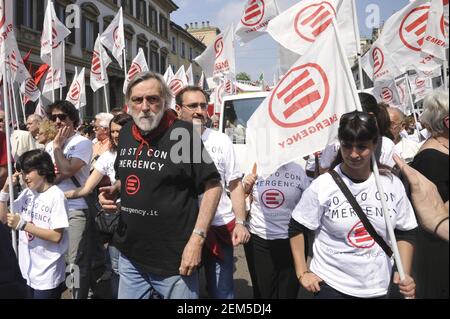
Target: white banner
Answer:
pixel 99 64
pixel 138 65
pixel 77 91
pixel 301 115
pixel 113 37
pixel 436 37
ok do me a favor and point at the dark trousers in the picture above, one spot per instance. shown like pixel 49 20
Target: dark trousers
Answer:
pixel 54 293
pixel 271 268
pixel 327 292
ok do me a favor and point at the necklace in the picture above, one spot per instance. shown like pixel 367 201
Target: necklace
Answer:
pixel 446 146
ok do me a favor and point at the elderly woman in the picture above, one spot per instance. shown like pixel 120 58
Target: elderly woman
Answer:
pixel 47 132
pixel 431 259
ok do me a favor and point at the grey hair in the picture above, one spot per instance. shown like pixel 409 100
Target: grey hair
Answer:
pixel 104 119
pixel 35 117
pixel 144 76
pixel 435 110
pixel 400 114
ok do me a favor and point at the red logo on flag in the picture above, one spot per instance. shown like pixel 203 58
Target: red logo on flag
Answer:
pixel 272 198
pixel 419 82
pixel 312 20
pixel 359 237
pixel 13 62
pixel 378 60
pixel 132 184
pixel 304 92
pixel 175 86
pixel 229 87
pixel 95 68
pixel 30 86
pixel 30 236
pixel 387 95
pixel 218 46
pixel 444 24
pixel 116 37
pixel 413 27
pixel 401 92
pixel 254 13
pixel 54 36
pixel 134 69
pixel 75 92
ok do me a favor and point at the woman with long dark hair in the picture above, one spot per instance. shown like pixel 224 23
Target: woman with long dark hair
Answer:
pixel 347 262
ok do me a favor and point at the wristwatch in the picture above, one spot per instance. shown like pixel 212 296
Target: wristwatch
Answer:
pixel 199 232
pixel 242 222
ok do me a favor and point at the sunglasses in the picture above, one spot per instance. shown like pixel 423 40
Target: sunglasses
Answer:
pixel 61 117
pixel 362 116
pixel 194 106
pixel 151 99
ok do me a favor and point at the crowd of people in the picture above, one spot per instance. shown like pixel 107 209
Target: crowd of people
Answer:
pixel 157 196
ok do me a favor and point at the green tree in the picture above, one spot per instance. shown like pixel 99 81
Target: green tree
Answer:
pixel 242 76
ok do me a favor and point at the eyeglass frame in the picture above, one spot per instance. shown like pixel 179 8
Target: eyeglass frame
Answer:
pixel 194 106
pixel 362 116
pixel 146 98
pixel 60 116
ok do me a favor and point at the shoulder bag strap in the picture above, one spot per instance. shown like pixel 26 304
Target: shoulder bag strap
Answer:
pixel 351 199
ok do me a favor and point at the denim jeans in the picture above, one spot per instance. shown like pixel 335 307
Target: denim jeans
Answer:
pixel 219 273
pixel 136 284
pixel 114 254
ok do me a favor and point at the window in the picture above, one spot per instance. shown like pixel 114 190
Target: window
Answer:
pixel 89 26
pixel 127 6
pixel 183 50
pixel 190 54
pixel 163 26
pixel 141 11
pixel 30 13
pixel 174 45
pixel 128 48
pixel 154 59
pixel 163 60
pixel 142 43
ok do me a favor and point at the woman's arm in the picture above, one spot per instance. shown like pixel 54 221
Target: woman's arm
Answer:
pixel 407 286
pixel 87 188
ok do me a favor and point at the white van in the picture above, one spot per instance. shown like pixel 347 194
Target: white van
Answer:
pixel 235 111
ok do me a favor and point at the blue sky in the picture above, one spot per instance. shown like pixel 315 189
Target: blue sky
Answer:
pixel 261 54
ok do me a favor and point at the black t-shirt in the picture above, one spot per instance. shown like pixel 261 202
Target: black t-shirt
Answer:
pixel 159 198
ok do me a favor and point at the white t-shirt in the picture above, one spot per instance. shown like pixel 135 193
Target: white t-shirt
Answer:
pixel 407 149
pixel 79 147
pixel 274 199
pixel 222 153
pixel 345 255
pixel 105 165
pixel 387 151
pixel 41 261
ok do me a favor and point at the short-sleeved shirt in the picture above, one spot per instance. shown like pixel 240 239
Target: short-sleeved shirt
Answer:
pixel 105 165
pixel 160 185
pixel 41 261
pixel 345 255
pixel 81 148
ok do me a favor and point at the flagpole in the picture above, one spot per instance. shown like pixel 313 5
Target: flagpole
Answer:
pixel 408 86
pixel 23 106
pixel 102 75
pixel 11 97
pixel 125 64
pixel 52 75
pixel 106 98
pixel 358 45
pixel 63 42
pixel 8 150
pixel 444 74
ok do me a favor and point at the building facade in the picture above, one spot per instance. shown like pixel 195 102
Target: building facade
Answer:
pixel 184 49
pixel 204 32
pixel 146 26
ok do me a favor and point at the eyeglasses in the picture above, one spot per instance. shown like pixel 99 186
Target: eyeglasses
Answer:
pixel 362 116
pixel 151 99
pixel 194 106
pixel 61 117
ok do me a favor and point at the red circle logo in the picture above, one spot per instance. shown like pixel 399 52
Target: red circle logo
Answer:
pixel 175 86
pixel 13 61
pixel 134 69
pixel 30 86
pixel 254 13
pixel 272 198
pixel 75 91
pixel 359 237
pixel 95 68
pixel 387 95
pixel 218 46
pixel 132 185
pixel 30 237
pixel 444 24
pixel 314 19
pixel 413 27
pixel 378 60
pixel 303 93
pixel 401 92
pixel 116 37
pixel 419 82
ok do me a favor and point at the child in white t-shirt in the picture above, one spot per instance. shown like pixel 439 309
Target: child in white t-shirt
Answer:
pixel 40 214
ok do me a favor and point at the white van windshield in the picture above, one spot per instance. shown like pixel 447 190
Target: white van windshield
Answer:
pixel 236 113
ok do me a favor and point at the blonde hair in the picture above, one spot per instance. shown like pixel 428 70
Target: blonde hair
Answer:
pixel 48 128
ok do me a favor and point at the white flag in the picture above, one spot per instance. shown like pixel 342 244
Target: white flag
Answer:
pixel 168 75
pixel 77 91
pixel 227 86
pixel 421 84
pixel 403 92
pixel 100 61
pixel 30 90
pixel 387 92
pixel 56 76
pixel 435 39
pixel 254 21
pixel 201 82
pixel 299 26
pixel 378 64
pixel 190 75
pixel 301 115
pixel 218 59
pixel 113 37
pixel 177 83
pixel 138 65
pixel 19 72
pixel 6 31
pixel 40 110
pixel 53 34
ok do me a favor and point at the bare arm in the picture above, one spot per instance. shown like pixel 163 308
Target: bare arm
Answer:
pixel 192 251
pixel 87 188
pixel 407 286
pixel 3 174
pixel 241 234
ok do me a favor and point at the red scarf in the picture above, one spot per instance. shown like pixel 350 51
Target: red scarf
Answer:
pixel 219 235
pixel 167 121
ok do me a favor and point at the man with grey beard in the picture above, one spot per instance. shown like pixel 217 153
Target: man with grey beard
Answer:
pixel 162 229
